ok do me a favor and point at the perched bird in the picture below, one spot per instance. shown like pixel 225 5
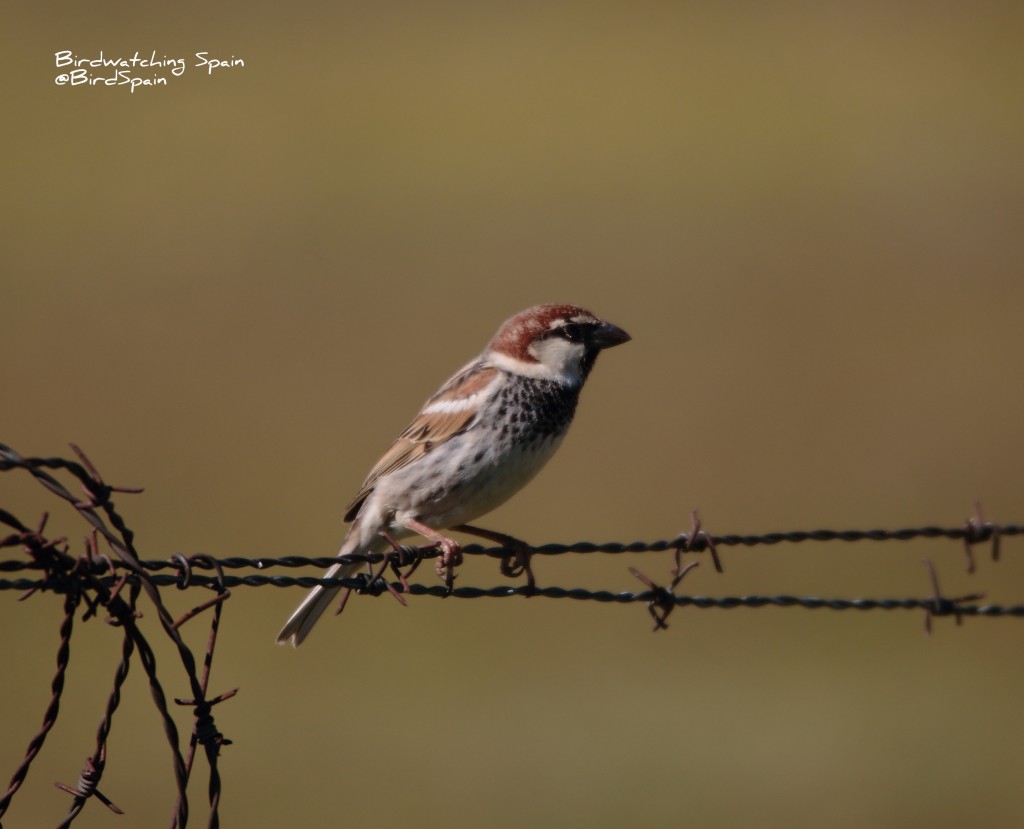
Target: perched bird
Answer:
pixel 475 443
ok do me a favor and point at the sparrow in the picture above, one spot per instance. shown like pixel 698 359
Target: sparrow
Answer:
pixel 476 442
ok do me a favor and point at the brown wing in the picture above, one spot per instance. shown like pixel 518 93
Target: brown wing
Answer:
pixel 448 413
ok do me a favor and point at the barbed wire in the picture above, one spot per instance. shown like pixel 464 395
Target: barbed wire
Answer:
pixel 117 583
pixel 77 579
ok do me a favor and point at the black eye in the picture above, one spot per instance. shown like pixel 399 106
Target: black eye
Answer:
pixel 573 332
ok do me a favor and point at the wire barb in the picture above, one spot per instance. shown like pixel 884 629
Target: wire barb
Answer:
pixel 977 531
pixel 664 600
pixel 87 783
pixel 697 541
pixel 942 606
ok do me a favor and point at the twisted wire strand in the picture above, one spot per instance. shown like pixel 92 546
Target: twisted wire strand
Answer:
pixel 580 594
pixel 975 533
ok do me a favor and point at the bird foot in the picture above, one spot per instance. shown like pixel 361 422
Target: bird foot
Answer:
pixel 513 564
pixel 450 557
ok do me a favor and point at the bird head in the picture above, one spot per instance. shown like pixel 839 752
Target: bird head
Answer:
pixel 553 342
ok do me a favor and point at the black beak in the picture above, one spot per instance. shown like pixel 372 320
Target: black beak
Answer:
pixel 607 335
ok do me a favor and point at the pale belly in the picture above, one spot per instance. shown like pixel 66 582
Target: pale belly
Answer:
pixel 466 488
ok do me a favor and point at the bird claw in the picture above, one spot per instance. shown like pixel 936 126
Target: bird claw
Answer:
pixel 513 564
pixel 450 557
pixel 517 563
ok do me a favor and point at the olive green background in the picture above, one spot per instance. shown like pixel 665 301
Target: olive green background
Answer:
pixel 236 289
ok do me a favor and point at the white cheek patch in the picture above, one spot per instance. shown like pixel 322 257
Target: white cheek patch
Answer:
pixel 560 359
pixel 555 351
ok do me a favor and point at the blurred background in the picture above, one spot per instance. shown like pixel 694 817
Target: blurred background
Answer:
pixel 236 289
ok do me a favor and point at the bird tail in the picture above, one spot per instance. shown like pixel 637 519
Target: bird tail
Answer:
pixel 301 622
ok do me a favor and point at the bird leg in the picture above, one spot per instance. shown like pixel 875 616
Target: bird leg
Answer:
pixel 450 553
pixel 514 564
pixel 402 556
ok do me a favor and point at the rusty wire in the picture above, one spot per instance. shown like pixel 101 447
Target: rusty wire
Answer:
pixel 81 579
pixel 116 585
